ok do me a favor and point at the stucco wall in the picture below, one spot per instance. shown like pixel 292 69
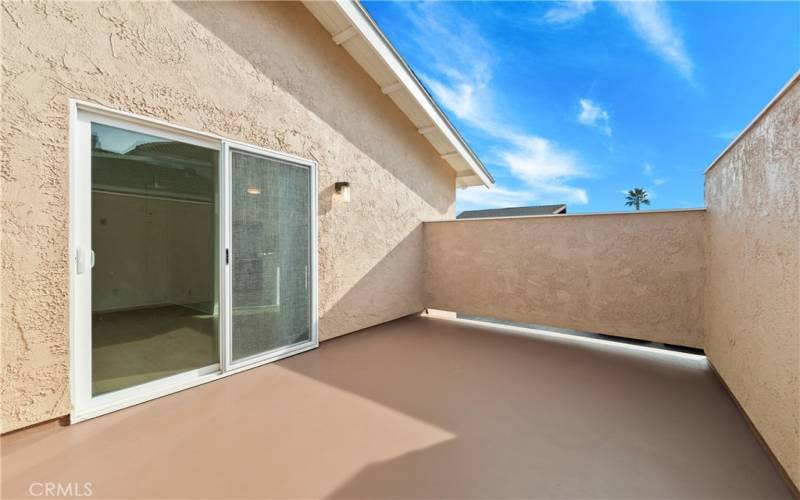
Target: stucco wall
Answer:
pixel 753 285
pixel 636 275
pixel 266 74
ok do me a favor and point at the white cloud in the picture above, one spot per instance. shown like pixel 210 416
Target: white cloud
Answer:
pixel 594 116
pixel 727 135
pixel 651 22
pixel 568 12
pixel 460 98
pixel 497 197
pixel 545 169
pixel 460 55
pixel 463 62
pixel 648 170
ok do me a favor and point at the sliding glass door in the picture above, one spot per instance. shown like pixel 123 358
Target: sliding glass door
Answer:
pixel 154 240
pixel 193 257
pixel 270 255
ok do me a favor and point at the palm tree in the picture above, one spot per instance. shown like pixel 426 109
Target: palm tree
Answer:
pixel 636 197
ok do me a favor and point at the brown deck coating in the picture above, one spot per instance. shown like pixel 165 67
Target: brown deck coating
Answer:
pixel 420 408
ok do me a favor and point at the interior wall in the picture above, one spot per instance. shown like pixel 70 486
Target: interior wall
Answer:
pixel 752 296
pixel 265 73
pixel 637 275
pixel 192 246
pixel 151 251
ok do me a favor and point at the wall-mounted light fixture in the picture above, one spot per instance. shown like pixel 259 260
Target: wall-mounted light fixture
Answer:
pixel 343 190
pixel 254 190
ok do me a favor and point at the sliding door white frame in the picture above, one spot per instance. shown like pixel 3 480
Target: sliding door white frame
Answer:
pixel 84 406
pixel 227 359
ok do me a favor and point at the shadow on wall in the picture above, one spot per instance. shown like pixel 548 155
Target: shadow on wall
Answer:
pixel 298 55
pixel 325 200
pixel 545 418
pixel 392 288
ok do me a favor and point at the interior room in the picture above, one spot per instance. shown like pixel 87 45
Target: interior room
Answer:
pixel 154 237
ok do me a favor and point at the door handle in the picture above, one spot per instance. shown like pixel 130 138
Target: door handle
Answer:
pixel 80 260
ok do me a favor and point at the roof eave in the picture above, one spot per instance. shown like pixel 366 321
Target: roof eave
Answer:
pixel 351 27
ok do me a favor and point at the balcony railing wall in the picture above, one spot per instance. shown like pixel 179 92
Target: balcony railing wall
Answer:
pixel 752 319
pixel 636 275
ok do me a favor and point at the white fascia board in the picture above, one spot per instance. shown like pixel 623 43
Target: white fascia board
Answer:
pixel 372 34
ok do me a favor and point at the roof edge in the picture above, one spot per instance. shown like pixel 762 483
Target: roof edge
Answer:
pixel 368 30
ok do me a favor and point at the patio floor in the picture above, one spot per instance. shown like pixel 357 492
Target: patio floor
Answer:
pixel 421 408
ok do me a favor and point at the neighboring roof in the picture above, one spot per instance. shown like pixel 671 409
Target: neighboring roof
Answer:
pixel 513 212
pixel 351 27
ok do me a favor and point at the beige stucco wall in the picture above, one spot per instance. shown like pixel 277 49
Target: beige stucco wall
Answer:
pixel 636 275
pixel 752 295
pixel 266 74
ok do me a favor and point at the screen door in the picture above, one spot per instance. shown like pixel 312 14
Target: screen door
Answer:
pixel 270 256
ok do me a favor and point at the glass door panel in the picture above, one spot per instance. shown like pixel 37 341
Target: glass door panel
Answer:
pixel 191 257
pixel 154 233
pixel 271 252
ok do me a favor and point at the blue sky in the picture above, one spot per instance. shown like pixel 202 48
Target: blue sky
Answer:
pixel 577 101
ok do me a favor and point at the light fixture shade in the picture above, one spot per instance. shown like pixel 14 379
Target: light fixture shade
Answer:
pixel 343 190
pixel 253 190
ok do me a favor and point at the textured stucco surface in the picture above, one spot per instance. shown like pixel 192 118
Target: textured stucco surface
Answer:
pixel 752 295
pixel 266 74
pixel 636 275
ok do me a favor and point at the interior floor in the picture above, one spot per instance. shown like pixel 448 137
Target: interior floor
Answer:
pixel 135 346
pixel 422 408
